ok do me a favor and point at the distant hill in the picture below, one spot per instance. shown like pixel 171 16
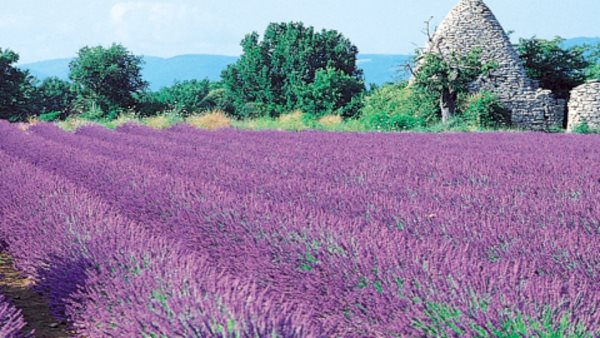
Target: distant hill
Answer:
pixel 44 69
pixel 162 72
pixel 380 68
pixel 580 41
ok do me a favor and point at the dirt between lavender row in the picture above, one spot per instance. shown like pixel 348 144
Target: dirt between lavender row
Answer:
pixel 34 308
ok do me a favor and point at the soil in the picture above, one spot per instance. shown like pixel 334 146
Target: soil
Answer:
pixel 34 308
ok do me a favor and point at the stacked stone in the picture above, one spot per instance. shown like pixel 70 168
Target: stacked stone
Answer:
pixel 472 25
pixel 584 106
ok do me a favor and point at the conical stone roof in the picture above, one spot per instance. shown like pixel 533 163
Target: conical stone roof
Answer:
pixel 472 25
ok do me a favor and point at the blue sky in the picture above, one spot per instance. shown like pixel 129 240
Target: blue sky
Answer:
pixel 46 29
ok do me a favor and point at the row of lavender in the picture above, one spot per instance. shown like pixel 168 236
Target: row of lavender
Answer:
pixel 187 233
pixel 11 320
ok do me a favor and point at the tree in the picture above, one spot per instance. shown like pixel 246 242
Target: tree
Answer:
pixel 448 76
pixel 16 88
pixel 558 69
pixel 107 78
pixel 273 74
pixel 332 91
pixel 592 72
pixel 54 95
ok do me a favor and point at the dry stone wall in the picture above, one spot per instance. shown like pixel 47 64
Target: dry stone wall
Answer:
pixel 584 106
pixel 472 25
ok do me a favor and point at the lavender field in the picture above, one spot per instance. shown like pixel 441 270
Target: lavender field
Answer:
pixel 187 233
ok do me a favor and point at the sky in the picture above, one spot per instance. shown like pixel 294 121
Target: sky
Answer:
pixel 50 29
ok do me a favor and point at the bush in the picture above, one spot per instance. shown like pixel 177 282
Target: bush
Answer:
pixel 252 110
pixel 162 121
pixel 184 98
pixel 584 128
pixel 331 121
pixel 333 92
pixel 217 99
pixel 50 117
pixel 484 110
pixel 397 107
pixel 74 123
pixel 213 120
pixel 296 120
pixel 54 95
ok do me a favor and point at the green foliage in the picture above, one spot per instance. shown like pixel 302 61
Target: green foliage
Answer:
pixel 397 107
pixel 558 69
pixel 484 110
pixel 332 91
pixel 51 116
pixel 278 73
pixel 106 79
pixel 16 89
pixel 584 128
pixel 592 72
pixel 185 98
pixel 445 321
pixel 448 76
pixel 54 96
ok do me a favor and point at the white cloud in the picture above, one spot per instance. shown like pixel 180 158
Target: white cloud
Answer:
pixel 134 13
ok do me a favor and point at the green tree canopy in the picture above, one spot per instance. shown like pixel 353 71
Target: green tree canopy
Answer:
pixel 16 88
pixel 274 74
pixel 107 78
pixel 54 95
pixel 558 69
pixel 332 91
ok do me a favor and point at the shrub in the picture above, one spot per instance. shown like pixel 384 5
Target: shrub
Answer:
pixel 122 119
pixel 584 128
pixel 296 120
pixel 55 95
pixel 213 120
pixel 185 98
pixel 252 110
pixel 162 121
pixel 333 92
pixel 484 110
pixel 74 123
pixel 50 117
pixel 331 120
pixel 397 107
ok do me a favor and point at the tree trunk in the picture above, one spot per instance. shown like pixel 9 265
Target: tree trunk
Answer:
pixel 447 105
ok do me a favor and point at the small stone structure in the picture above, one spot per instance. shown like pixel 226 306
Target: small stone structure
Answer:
pixel 584 106
pixel 472 25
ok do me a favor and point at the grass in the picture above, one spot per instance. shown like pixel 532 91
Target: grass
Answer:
pixel 298 121
pixel 212 120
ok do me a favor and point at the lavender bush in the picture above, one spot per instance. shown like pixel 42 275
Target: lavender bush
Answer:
pixel 11 320
pixel 235 233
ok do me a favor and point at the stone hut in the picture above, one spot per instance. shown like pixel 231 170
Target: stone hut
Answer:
pixel 584 106
pixel 472 25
